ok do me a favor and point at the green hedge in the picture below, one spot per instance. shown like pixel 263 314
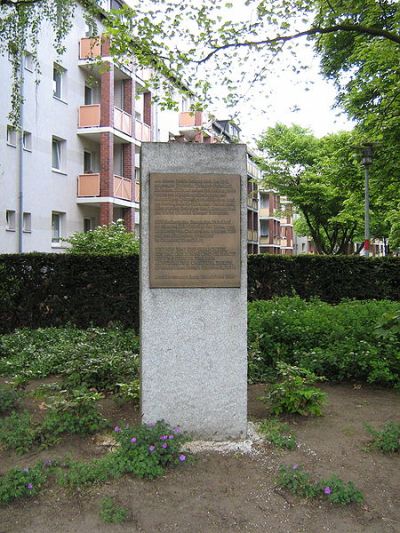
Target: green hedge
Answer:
pixel 42 290
pixel 330 278
pixel 342 342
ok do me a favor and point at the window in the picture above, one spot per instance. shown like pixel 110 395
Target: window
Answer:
pixel 56 227
pixel 87 162
pixel 27 141
pixel 88 224
pixel 116 4
pixel 57 153
pixel 88 95
pixel 10 220
pixel 58 81
pixel 28 61
pixel 27 222
pixel 11 136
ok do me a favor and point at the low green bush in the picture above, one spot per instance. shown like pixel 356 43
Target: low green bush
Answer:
pixel 386 440
pixel 341 342
pixel 299 482
pixel 294 393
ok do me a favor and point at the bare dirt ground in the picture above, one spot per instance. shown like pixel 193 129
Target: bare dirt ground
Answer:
pixel 235 492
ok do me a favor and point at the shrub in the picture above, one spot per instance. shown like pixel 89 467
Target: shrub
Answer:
pixel 43 290
pixel 387 440
pixel 340 341
pixel 112 239
pixel 295 393
pixel 330 278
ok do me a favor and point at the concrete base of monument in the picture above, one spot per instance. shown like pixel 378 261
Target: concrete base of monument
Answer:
pixel 193 336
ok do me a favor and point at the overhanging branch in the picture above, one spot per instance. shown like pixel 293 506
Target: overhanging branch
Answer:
pixel 355 28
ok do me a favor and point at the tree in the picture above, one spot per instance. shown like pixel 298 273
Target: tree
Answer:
pixel 113 239
pixel 322 178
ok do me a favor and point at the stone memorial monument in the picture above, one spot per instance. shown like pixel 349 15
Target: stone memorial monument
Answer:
pixel 193 287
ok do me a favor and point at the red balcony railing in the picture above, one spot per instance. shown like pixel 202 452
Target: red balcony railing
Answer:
pixel 122 121
pixel 90 47
pixel 89 116
pixel 142 131
pixel 189 119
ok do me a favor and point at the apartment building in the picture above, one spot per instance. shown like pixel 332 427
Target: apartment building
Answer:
pixel 276 223
pixel 200 127
pixel 83 125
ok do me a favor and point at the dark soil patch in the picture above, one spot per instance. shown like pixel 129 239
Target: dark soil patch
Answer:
pixel 227 493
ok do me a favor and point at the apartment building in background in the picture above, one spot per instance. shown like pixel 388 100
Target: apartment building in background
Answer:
pixel 276 223
pixel 82 129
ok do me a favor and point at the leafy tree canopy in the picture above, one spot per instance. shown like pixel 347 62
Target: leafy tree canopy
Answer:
pixel 323 179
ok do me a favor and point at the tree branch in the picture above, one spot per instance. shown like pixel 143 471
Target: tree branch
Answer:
pixel 356 28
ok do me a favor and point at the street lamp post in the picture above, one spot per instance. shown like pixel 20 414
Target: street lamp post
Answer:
pixel 367 155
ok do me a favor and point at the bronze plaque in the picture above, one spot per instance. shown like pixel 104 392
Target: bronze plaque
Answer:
pixel 194 230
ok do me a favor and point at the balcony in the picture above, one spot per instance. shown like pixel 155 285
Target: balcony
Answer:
pixel 89 117
pixel 90 48
pixel 264 239
pixel 123 121
pixel 253 170
pixel 252 235
pixel 189 119
pixel 122 188
pixel 89 187
pixel 142 131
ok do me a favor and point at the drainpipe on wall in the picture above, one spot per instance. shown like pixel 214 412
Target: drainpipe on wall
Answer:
pixel 21 157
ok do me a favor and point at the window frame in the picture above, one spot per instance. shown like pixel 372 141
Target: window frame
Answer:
pixel 60 71
pixel 27 222
pixel 56 215
pixel 11 220
pixel 27 146
pixel 61 143
pixel 11 136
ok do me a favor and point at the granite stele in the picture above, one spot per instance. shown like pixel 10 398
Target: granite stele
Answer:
pixel 194 287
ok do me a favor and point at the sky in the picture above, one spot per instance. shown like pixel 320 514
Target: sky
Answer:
pixel 305 99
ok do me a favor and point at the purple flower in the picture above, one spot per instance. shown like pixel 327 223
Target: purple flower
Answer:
pixel 133 440
pixel 182 458
pixel 164 437
pixel 327 490
pixel 29 486
pixel 117 429
pixel 150 424
pixel 295 467
pixel 171 437
pixel 177 430
pixel 165 445
pixel 152 448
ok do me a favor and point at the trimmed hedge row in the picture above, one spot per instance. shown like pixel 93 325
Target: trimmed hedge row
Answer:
pixel 42 290
pixel 330 278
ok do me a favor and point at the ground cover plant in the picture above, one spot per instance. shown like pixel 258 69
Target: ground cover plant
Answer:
pixel 111 512
pixel 96 357
pixel 145 451
pixel 386 440
pixel 277 433
pixel 341 342
pixel 299 482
